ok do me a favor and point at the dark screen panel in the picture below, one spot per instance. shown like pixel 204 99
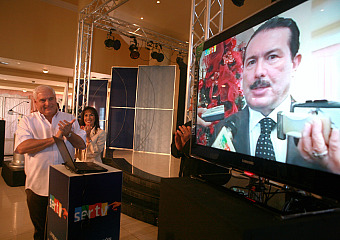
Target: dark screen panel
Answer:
pixel 121 128
pixel 123 87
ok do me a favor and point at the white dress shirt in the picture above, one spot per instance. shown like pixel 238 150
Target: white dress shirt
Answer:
pixel 36 126
pixel 280 146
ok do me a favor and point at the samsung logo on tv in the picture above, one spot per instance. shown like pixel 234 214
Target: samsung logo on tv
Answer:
pixel 247 162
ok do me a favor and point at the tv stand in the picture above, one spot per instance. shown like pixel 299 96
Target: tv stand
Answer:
pixel 193 209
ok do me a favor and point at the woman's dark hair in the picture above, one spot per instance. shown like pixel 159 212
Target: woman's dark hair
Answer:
pixel 93 111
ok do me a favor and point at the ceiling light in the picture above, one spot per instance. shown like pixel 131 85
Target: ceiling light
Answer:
pixel 24 90
pixel 134 54
pixel 111 42
pixel 179 60
pixel 160 57
pixel 158 1
pixel 157 55
pixel 4 63
pixel 141 18
pixel 45 70
pixel 238 3
pixel 149 45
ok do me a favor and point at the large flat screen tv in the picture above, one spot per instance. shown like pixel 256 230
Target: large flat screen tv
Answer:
pixel 281 63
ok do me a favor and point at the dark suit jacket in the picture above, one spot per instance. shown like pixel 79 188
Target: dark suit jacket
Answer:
pixel 241 139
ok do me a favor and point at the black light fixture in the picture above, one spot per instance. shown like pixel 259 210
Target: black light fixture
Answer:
pixel 149 45
pixel 238 3
pixel 157 55
pixel 179 60
pixel 134 54
pixel 111 42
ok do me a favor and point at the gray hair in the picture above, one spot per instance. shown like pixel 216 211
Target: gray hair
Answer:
pixel 41 88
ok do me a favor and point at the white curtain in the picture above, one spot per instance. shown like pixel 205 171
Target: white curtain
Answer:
pixel 327 73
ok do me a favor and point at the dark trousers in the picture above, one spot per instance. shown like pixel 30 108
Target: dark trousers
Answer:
pixel 37 206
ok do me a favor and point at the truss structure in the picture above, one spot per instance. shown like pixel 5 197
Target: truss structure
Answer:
pixel 97 15
pixel 206 21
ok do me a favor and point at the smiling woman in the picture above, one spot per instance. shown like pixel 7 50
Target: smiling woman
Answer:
pixel 95 137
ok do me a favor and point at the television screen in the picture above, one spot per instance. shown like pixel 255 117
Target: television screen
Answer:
pixel 268 96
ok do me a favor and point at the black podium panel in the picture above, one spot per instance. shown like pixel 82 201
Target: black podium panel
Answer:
pixel 191 209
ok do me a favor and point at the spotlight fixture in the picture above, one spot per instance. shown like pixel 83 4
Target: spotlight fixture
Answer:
pixel 238 3
pixel 157 55
pixel 111 42
pixel 179 60
pixel 149 45
pixel 134 54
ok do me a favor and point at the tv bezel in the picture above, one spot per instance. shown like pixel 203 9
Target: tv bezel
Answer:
pixel 315 181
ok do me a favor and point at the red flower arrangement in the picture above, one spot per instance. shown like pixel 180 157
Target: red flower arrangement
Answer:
pixel 221 83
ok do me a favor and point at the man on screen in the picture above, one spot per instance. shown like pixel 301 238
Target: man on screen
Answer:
pixel 270 60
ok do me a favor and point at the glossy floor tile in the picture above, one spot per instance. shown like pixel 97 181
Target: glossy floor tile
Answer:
pixel 161 165
pixel 15 222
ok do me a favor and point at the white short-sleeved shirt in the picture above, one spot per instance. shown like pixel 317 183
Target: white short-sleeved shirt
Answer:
pixel 36 126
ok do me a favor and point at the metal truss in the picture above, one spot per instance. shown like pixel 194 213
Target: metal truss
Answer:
pixel 97 15
pixel 206 21
pixel 82 73
pixel 133 30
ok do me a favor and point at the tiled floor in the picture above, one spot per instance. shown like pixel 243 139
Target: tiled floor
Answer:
pixel 16 224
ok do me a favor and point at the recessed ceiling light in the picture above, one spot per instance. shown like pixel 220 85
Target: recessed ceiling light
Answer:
pixel 141 18
pixel 24 90
pixel 158 1
pixel 18 63
pixel 45 70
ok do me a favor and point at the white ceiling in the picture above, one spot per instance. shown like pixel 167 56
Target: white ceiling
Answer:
pixel 170 17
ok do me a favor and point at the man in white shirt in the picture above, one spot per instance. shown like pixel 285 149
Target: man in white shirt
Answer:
pixel 34 138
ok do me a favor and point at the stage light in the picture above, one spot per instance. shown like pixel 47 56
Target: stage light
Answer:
pixel 154 55
pixel 149 45
pixel 111 42
pixel 179 60
pixel 160 57
pixel 157 55
pixel 134 54
pixel 238 3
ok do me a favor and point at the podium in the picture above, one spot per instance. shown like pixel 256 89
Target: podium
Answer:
pixel 84 206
